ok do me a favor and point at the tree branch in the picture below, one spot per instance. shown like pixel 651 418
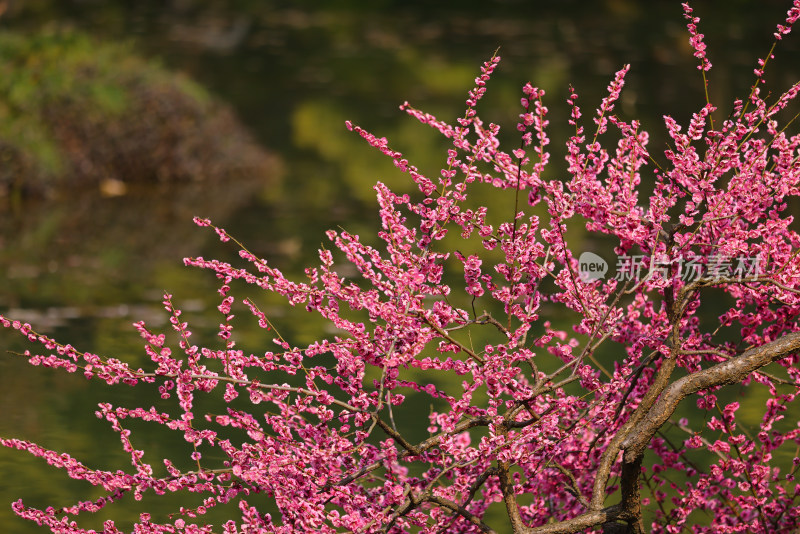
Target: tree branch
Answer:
pixel 728 372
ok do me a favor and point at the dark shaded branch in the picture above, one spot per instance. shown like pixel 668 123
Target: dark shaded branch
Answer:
pixel 412 449
pixel 472 491
pixel 573 483
pixel 460 510
pixel 448 337
pixel 422 447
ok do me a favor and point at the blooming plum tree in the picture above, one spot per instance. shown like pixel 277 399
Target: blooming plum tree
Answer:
pixel 564 431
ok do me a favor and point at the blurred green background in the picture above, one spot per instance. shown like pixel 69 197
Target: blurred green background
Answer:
pixel 120 120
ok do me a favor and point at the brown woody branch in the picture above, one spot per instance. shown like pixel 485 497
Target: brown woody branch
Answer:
pixel 638 436
pixel 728 372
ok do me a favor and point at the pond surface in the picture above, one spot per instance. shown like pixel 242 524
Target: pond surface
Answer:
pixel 84 266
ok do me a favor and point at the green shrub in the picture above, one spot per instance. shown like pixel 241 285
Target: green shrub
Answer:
pixel 78 112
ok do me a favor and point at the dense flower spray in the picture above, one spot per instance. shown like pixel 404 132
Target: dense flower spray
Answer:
pixel 538 425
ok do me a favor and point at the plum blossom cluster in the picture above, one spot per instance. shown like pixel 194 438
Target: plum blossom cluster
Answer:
pixel 696 39
pixel 566 429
